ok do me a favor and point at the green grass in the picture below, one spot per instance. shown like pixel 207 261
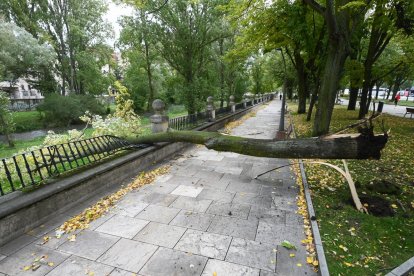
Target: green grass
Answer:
pixel 377 244
pixel 6 151
pixel 27 121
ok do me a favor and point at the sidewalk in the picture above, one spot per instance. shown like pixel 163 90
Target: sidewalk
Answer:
pixel 207 216
pixel 391 109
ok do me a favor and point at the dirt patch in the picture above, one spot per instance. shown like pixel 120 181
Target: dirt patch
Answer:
pixel 377 206
pixel 384 187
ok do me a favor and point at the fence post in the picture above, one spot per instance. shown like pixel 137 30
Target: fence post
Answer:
pixel 211 112
pixel 232 104
pixel 159 121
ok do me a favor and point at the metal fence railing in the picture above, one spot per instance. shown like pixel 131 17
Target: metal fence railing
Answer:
pixel 33 168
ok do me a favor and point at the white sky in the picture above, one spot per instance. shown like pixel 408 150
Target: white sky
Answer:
pixel 114 13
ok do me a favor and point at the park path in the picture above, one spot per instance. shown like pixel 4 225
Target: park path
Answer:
pixel 207 216
pixel 391 109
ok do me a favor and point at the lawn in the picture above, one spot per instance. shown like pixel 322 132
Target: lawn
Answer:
pixel 27 121
pixel 363 244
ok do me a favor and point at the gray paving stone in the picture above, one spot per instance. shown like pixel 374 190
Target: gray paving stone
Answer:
pixel 162 188
pixel 121 272
pixel 129 255
pixel 229 209
pixel 89 244
pixel 16 244
pixel 287 265
pixel 218 196
pixel 158 213
pixel 79 266
pixel 208 175
pixel 268 215
pixel 2 257
pixel 215 185
pixel 53 242
pixel 228 169
pixel 294 219
pixel 283 203
pixel 172 262
pixel 160 234
pixel 226 268
pixel 191 204
pixel 122 226
pixel 252 254
pixel 241 228
pixel 243 187
pixel 236 178
pixel 159 199
pixel 253 199
pixel 177 180
pixel 48 226
pixel 189 219
pixel 268 273
pixel 98 222
pixel 205 244
pixel 183 190
pixel 14 264
pixel 128 208
pixel 276 234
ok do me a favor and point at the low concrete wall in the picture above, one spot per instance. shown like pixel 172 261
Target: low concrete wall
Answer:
pixel 21 212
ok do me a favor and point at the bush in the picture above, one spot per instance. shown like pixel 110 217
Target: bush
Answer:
pixel 63 111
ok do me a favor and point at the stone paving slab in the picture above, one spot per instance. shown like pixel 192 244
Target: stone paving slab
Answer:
pixel 122 226
pixel 129 255
pixel 158 214
pixel 226 268
pixel 192 220
pixel 89 244
pixel 160 234
pixel 205 244
pixel 240 228
pixel 173 262
pixel 206 215
pixel 229 209
pixel 14 264
pixel 80 266
pixel 253 254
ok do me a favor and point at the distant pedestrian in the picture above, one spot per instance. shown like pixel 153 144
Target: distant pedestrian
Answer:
pixel 280 96
pixel 397 99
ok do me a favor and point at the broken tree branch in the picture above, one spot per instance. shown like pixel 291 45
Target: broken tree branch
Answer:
pixel 346 146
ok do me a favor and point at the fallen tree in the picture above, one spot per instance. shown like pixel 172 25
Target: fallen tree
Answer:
pixel 364 145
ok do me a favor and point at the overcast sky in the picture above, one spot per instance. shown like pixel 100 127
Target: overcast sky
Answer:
pixel 114 13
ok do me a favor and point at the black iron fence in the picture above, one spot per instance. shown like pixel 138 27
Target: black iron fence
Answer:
pixel 35 167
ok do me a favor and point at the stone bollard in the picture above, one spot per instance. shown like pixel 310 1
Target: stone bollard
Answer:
pixel 159 121
pixel 232 104
pixel 211 112
pixel 244 101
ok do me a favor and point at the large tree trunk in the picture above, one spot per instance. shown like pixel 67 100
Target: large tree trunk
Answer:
pixel 351 146
pixel 330 81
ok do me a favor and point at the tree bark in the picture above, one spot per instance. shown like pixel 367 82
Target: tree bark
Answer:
pixel 335 60
pixel 302 81
pixel 348 146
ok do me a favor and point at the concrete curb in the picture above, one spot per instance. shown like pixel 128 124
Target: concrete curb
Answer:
pixel 403 269
pixel 23 211
pixel 320 252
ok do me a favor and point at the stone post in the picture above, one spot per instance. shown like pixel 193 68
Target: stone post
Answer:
pixel 244 100
pixel 159 121
pixel 211 111
pixel 232 104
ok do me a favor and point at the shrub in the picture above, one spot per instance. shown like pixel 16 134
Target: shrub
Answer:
pixel 63 111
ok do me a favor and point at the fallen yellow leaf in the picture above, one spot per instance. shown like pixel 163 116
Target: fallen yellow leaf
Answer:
pixel 394 206
pixel 309 260
pixel 26 268
pixel 214 273
pixel 292 255
pixel 348 264
pixel 50 264
pixel 299 264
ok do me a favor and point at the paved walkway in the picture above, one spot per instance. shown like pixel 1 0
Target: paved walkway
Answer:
pixel 391 109
pixel 208 216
